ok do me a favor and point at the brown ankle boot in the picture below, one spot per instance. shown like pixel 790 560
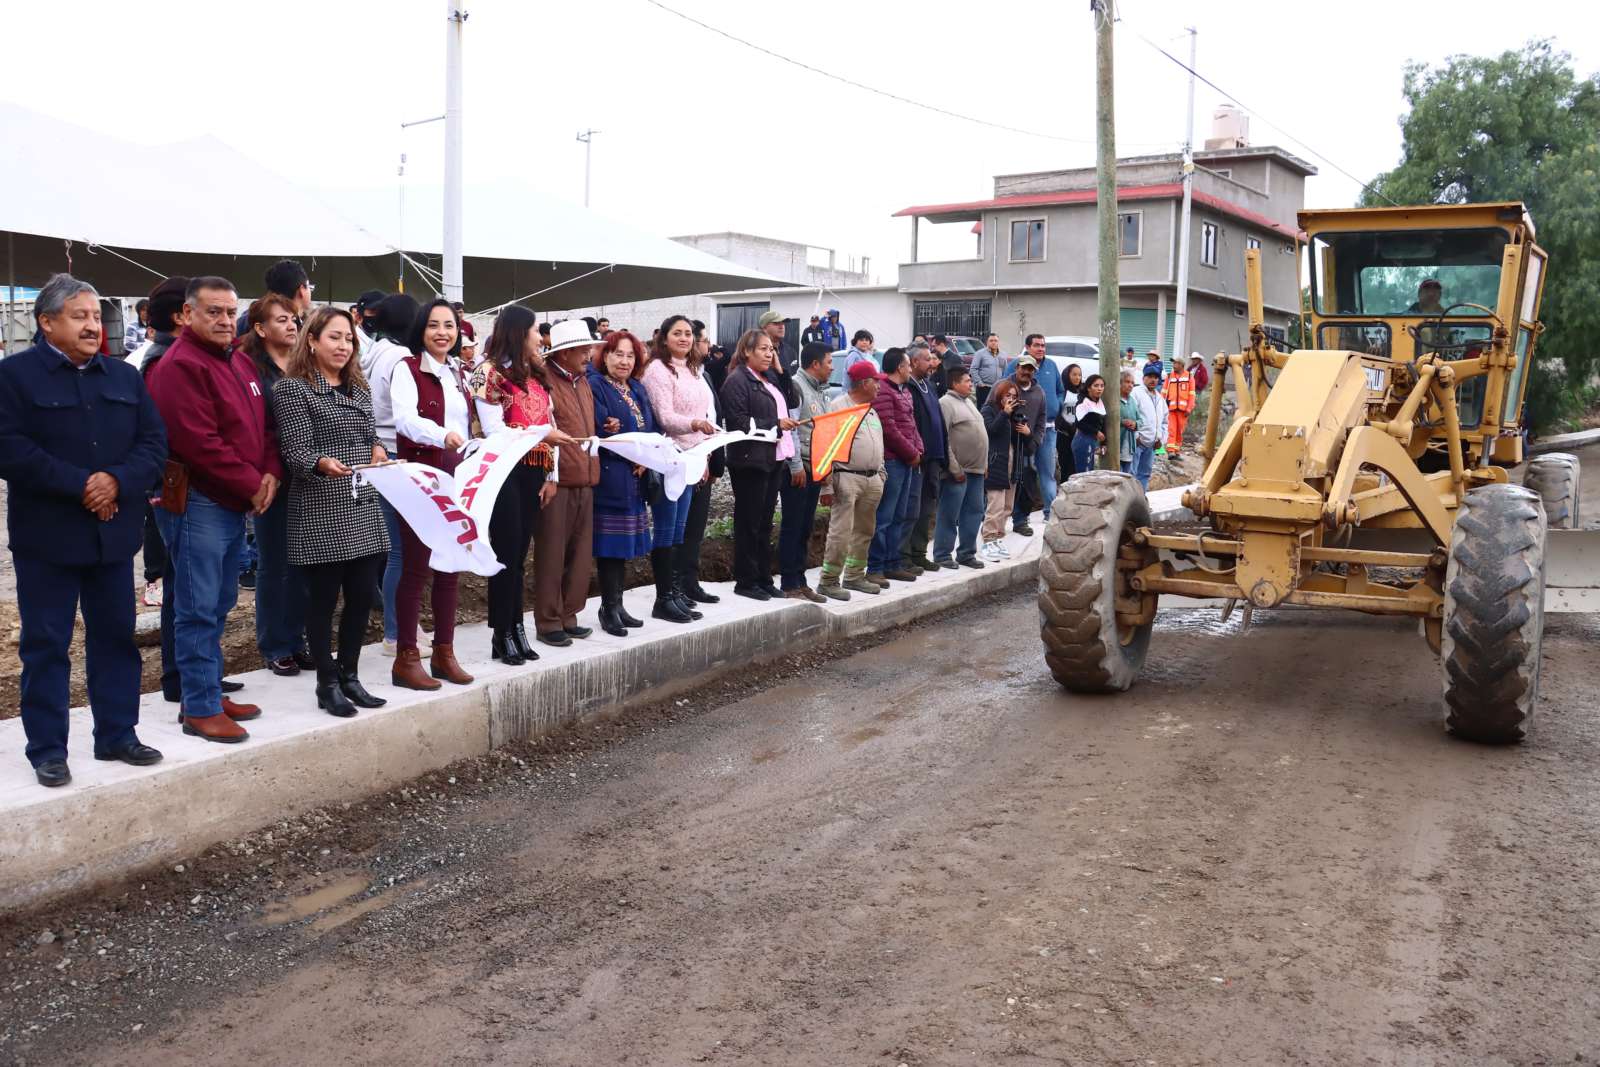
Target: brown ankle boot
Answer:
pixel 442 664
pixel 216 728
pixel 408 673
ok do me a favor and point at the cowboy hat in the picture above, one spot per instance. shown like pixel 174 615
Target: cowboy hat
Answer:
pixel 569 333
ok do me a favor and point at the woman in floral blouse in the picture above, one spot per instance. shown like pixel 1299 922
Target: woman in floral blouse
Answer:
pixel 508 384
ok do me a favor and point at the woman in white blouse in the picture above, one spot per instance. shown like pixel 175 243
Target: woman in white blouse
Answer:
pixel 432 419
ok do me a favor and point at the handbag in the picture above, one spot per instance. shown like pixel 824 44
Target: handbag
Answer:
pixel 652 487
pixel 175 488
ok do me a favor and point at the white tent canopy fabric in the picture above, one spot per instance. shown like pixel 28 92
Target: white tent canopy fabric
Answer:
pixel 136 213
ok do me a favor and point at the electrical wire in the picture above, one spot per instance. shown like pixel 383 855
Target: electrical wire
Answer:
pixel 884 92
pixel 541 292
pixel 1264 120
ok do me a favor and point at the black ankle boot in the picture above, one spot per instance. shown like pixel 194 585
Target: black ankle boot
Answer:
pixel 628 620
pixel 351 686
pixel 611 621
pixel 503 647
pixel 331 699
pixel 683 600
pixel 667 606
pixel 524 649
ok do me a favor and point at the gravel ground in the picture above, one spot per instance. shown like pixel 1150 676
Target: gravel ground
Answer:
pixel 847 859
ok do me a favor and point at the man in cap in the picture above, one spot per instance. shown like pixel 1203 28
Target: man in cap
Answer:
pixel 1428 302
pixel 857 481
pixel 1152 429
pixel 80 446
pixel 1052 388
pixel 1178 392
pixel 812 333
pixel 365 312
pixel 1031 402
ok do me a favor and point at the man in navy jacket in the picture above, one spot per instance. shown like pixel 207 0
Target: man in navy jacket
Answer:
pixel 80 445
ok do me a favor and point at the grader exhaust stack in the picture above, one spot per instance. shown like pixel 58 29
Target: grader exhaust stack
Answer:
pixel 1367 471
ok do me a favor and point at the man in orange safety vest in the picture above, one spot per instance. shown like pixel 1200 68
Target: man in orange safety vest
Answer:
pixel 1179 394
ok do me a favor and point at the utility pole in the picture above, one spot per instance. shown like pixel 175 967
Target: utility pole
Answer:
pixel 1180 325
pixel 1110 297
pixel 453 259
pixel 586 138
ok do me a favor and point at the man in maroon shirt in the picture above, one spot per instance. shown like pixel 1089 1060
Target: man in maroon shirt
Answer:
pixel 222 448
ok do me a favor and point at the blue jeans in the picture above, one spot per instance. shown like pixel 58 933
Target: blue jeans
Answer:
pixel 1083 451
pixel 670 517
pixel 48 598
pixel 961 507
pixel 1143 462
pixel 205 544
pixel 794 533
pixel 280 587
pixel 901 484
pixel 391 571
pixel 1044 465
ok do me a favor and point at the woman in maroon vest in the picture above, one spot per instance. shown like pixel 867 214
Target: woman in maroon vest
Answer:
pixel 432 419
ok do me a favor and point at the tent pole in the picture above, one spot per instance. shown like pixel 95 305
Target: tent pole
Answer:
pixel 11 292
pixel 452 151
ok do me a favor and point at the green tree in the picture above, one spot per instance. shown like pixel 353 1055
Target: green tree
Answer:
pixel 1518 126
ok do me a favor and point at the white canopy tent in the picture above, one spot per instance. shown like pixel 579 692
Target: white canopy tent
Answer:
pixel 133 214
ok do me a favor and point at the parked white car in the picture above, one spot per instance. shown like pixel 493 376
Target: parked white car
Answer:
pixel 1064 350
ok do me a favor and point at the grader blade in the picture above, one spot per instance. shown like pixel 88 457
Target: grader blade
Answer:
pixel 1572 571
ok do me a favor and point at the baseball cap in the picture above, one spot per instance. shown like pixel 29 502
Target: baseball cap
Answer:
pixel 369 300
pixel 863 369
pixel 768 318
pixel 1028 361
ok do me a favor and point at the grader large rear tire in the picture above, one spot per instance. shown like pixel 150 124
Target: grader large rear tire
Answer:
pixel 1094 514
pixel 1494 614
pixel 1555 477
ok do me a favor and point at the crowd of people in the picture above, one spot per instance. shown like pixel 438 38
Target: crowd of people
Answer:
pixel 234 430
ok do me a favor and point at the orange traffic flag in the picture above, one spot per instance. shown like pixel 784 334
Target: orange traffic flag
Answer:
pixel 831 437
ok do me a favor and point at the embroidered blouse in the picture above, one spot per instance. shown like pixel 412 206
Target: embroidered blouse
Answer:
pixel 505 403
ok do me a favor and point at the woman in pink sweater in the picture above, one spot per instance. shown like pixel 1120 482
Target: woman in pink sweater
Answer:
pixel 681 397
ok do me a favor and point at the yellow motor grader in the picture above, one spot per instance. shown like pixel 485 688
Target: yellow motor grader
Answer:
pixel 1368 471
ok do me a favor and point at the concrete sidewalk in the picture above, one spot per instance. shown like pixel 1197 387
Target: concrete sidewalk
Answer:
pixel 114 819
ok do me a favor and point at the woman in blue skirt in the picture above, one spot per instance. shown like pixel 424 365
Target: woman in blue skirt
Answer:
pixel 621 517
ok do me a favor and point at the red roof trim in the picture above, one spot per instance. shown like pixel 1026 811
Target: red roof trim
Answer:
pixel 1171 190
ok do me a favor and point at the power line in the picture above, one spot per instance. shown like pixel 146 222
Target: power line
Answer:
pixel 884 92
pixel 1266 121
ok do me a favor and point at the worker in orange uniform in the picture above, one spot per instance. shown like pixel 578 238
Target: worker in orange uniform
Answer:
pixel 1179 394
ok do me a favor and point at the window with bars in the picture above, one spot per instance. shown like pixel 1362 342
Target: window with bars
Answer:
pixel 1252 242
pixel 966 318
pixel 1208 244
pixel 1027 240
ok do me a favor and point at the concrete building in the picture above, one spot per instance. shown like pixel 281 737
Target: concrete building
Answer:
pixel 1036 264
pixel 804 265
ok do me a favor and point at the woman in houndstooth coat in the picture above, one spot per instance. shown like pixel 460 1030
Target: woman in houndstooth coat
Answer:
pixel 325 429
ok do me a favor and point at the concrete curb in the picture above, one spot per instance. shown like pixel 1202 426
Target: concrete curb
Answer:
pixel 1561 442
pixel 114 820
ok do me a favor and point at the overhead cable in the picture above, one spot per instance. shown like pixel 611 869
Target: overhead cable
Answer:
pixel 946 112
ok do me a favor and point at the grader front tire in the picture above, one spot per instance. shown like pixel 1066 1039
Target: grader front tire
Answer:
pixel 1494 614
pixel 1087 651
pixel 1555 477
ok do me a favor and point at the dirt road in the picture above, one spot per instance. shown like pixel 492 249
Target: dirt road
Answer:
pixel 923 853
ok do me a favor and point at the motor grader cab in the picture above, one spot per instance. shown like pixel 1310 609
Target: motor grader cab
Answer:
pixel 1368 471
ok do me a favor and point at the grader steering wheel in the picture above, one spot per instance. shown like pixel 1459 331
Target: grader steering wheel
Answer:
pixel 1437 323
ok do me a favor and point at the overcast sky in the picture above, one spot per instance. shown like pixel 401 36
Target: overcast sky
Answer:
pixel 700 134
